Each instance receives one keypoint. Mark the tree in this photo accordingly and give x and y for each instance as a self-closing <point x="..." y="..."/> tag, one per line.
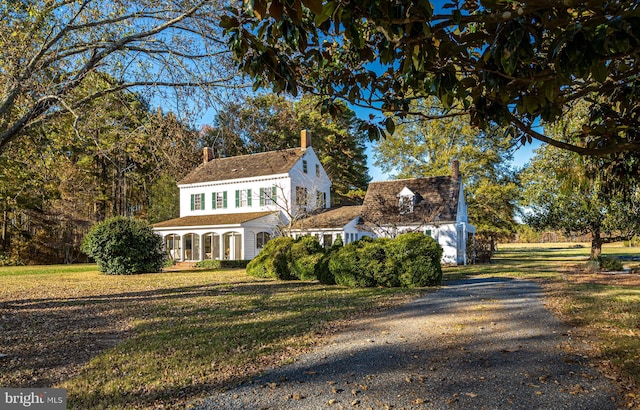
<point x="59" y="180"/>
<point x="426" y="148"/>
<point x="505" y="63"/>
<point x="51" y="50"/>
<point x="270" y="122"/>
<point x="565" y="191"/>
<point x="124" y="246"/>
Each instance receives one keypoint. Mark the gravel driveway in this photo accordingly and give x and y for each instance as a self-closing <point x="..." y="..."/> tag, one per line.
<point x="473" y="344"/>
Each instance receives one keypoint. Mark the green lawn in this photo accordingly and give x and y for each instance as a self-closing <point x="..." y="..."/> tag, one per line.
<point x="166" y="339"/>
<point x="160" y="339"/>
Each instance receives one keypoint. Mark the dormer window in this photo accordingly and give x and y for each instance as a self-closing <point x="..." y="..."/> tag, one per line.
<point x="406" y="202"/>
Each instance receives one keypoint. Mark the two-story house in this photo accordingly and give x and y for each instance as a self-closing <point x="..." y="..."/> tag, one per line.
<point x="230" y="207"/>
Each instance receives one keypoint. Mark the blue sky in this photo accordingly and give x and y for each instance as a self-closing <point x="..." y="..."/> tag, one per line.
<point x="521" y="156"/>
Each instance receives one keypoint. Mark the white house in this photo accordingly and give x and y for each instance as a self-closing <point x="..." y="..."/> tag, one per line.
<point x="230" y="207"/>
<point x="435" y="206"/>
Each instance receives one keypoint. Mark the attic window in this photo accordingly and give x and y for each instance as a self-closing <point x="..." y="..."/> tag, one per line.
<point x="406" y="202"/>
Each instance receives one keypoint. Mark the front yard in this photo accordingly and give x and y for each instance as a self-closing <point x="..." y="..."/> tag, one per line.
<point x="160" y="339"/>
<point x="170" y="338"/>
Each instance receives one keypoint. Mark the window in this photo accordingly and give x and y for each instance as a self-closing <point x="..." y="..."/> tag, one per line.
<point x="304" y="166"/>
<point x="406" y="204"/>
<point x="261" y="239"/>
<point x="268" y="196"/>
<point x="301" y="196"/>
<point x="427" y="232"/>
<point x="317" y="170"/>
<point x="321" y="199"/>
<point x="197" y="202"/>
<point x="243" y="198"/>
<point x="327" y="240"/>
<point x="219" y="200"/>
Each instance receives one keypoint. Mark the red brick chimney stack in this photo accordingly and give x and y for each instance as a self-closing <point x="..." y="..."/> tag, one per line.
<point x="455" y="169"/>
<point x="208" y="154"/>
<point x="305" y="139"/>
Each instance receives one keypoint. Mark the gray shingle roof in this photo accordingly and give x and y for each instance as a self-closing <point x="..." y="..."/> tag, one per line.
<point x="332" y="218"/>
<point x="245" y="166"/>
<point x="436" y="198"/>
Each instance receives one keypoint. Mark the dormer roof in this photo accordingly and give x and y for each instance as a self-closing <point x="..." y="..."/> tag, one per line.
<point x="245" y="166"/>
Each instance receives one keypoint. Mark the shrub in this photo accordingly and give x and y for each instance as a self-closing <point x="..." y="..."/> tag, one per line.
<point x="343" y="266"/>
<point x="417" y="257"/>
<point x="306" y="252"/>
<point x="222" y="264"/>
<point x="273" y="260"/>
<point x="124" y="246"/>
<point x="410" y="260"/>
<point x="610" y="264"/>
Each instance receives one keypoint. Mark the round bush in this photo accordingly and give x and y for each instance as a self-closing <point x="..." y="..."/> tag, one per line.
<point x="124" y="246"/>
<point x="273" y="260"/>
<point x="417" y="258"/>
<point x="610" y="264"/>
<point x="344" y="266"/>
<point x="306" y="252"/>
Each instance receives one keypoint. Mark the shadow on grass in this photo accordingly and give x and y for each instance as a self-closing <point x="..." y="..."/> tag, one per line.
<point x="141" y="348"/>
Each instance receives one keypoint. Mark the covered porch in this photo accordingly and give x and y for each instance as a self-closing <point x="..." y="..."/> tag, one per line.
<point x="194" y="239"/>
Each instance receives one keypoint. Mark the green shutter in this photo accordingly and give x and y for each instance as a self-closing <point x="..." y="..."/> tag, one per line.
<point x="214" y="203"/>
<point x="274" y="194"/>
<point x="202" y="201"/>
<point x="237" y="198"/>
<point x="193" y="202"/>
<point x="261" y="196"/>
<point x="248" y="197"/>
<point x="224" y="199"/>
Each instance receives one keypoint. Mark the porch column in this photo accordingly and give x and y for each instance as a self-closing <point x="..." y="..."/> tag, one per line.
<point x="221" y="246"/>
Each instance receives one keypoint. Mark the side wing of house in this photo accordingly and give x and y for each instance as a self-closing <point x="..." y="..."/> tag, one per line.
<point x="344" y="223"/>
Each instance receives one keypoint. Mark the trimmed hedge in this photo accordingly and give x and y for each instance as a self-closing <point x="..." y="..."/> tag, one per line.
<point x="124" y="246"/>
<point x="410" y="260"/>
<point x="273" y="260"/>
<point x="222" y="264"/>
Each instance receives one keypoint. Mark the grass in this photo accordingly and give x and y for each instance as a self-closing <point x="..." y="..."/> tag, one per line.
<point x="167" y="339"/>
<point x="160" y="339"/>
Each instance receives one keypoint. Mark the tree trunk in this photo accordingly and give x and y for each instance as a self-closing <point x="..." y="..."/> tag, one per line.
<point x="596" y="245"/>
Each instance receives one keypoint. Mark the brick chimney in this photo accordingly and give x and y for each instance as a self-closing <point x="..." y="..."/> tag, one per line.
<point x="455" y="169"/>
<point x="305" y="139"/>
<point x="207" y="154"/>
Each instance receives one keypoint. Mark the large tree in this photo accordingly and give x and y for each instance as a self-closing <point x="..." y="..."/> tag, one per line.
<point x="424" y="148"/>
<point x="271" y="122"/>
<point x="510" y="63"/>
<point x="52" y="49"/>
<point x="579" y="195"/>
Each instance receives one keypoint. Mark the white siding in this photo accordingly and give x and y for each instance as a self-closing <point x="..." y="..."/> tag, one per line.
<point x="281" y="182"/>
<point x="314" y="183"/>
